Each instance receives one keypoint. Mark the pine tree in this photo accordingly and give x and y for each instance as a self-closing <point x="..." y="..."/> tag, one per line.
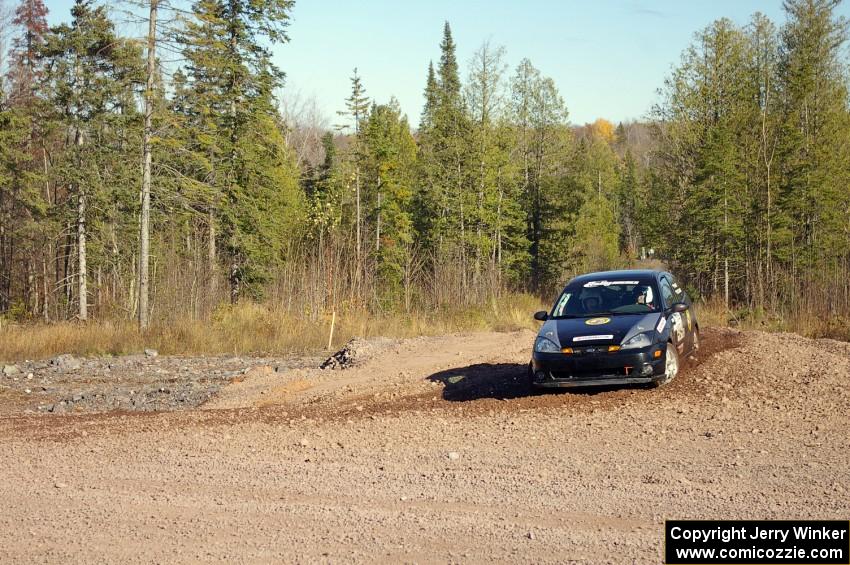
<point x="232" y="79"/>
<point x="596" y="245"/>
<point x="487" y="157"/>
<point x="814" y="147"/>
<point x="147" y="138"/>
<point x="23" y="233"/>
<point x="431" y="93"/>
<point x="762" y="125"/>
<point x="630" y="193"/>
<point x="89" y="76"/>
<point x="426" y="197"/>
<point x="357" y="106"/>
<point x="25" y="67"/>
<point x="707" y="108"/>
<point x="390" y="154"/>
<point x="21" y="206"/>
<point x="444" y="198"/>
<point x="539" y="116"/>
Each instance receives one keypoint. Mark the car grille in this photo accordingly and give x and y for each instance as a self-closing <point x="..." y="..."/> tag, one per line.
<point x="590" y="350"/>
<point x="595" y="374"/>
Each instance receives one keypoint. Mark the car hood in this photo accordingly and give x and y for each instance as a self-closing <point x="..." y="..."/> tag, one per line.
<point x="602" y="329"/>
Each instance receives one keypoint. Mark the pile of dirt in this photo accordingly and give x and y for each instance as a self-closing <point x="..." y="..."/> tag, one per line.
<point x="356" y="352"/>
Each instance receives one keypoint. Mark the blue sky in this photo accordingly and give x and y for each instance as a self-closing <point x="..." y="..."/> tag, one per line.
<point x="607" y="57"/>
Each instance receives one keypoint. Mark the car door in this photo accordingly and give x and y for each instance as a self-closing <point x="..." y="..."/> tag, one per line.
<point x="677" y="321"/>
<point x="688" y="317"/>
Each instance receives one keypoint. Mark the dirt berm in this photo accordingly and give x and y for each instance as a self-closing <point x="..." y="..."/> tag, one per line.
<point x="428" y="450"/>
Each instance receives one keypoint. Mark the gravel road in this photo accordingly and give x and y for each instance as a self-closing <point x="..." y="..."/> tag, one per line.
<point x="428" y="450"/>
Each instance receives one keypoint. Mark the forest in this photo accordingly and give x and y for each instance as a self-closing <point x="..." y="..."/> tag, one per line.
<point x="157" y="179"/>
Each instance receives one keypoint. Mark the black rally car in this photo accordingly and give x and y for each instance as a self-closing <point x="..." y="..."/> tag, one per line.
<point x="615" y="328"/>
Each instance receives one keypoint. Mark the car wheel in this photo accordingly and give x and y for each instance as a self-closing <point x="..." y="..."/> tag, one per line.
<point x="695" y="347"/>
<point x="671" y="365"/>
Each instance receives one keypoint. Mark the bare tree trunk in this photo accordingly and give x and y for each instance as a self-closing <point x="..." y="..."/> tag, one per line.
<point x="235" y="267"/>
<point x="725" y="248"/>
<point x="81" y="252"/>
<point x="144" y="228"/>
<point x="45" y="305"/>
<point x="32" y="291"/>
<point x="462" y="249"/>
<point x="63" y="260"/>
<point x="499" y="233"/>
<point x="357" y="191"/>
<point x="47" y="249"/>
<point x="769" y="227"/>
<point x="211" y="259"/>
<point x="99" y="300"/>
<point x="378" y="222"/>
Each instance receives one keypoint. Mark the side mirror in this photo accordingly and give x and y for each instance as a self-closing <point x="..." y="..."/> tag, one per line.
<point x="541" y="316"/>
<point x="679" y="307"/>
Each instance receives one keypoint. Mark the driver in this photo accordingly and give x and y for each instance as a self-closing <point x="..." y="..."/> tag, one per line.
<point x="643" y="295"/>
<point x="591" y="300"/>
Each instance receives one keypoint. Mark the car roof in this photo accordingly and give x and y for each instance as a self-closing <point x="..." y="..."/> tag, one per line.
<point x="640" y="274"/>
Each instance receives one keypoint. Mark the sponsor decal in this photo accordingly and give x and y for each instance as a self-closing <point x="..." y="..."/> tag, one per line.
<point x="597" y="321"/>
<point x="677" y="326"/>
<point x="593" y="284"/>
<point x="592" y="337"/>
<point x="661" y="323"/>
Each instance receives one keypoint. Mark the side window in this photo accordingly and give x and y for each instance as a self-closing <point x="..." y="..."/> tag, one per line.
<point x="667" y="293"/>
<point x="679" y="292"/>
<point x="560" y="306"/>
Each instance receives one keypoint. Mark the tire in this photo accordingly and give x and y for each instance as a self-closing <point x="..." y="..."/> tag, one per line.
<point x="671" y="365"/>
<point x="695" y="344"/>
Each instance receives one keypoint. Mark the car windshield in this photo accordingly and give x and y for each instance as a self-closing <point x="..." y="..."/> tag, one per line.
<point x="603" y="297"/>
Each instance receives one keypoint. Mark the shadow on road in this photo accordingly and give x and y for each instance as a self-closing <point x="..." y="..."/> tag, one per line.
<point x="503" y="381"/>
<point x="484" y="380"/>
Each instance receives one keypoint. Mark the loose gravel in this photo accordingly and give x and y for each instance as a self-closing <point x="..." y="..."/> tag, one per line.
<point x="432" y="450"/>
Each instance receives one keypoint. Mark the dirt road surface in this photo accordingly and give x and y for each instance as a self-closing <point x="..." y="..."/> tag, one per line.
<point x="432" y="450"/>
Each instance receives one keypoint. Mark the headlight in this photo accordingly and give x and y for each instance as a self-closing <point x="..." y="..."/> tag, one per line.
<point x="543" y="345"/>
<point x="637" y="342"/>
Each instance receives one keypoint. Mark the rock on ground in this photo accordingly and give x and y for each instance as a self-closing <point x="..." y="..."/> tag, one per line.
<point x="356" y="351"/>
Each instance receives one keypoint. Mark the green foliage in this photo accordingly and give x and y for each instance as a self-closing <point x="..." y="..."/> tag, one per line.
<point x="539" y="116"/>
<point x="742" y="189"/>
<point x="596" y="245"/>
<point x="231" y="80"/>
<point x="265" y="205"/>
<point x="389" y="155"/>
<point x="753" y="130"/>
<point x="814" y="148"/>
<point x="444" y="153"/>
<point x="89" y="83"/>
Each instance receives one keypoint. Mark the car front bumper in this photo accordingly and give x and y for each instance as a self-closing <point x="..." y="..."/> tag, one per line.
<point x="558" y="370"/>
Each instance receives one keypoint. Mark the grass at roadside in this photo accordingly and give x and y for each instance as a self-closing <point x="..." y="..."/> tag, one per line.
<point x="809" y="324"/>
<point x="262" y="329"/>
<point x="258" y="329"/>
